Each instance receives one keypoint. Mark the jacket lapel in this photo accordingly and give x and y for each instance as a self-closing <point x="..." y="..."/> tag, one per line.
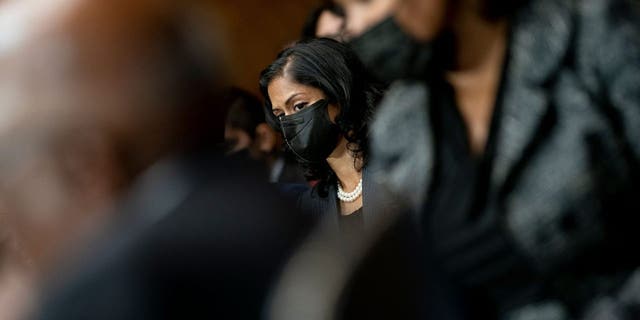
<point x="332" y="208"/>
<point x="521" y="117"/>
<point x="539" y="43"/>
<point x="402" y="156"/>
<point x="369" y="197"/>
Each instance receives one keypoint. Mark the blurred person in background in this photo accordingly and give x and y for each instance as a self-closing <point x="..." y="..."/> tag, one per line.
<point x="243" y="117"/>
<point x="248" y="136"/>
<point x="514" y="132"/>
<point x="326" y="21"/>
<point x="321" y="98"/>
<point x="110" y="182"/>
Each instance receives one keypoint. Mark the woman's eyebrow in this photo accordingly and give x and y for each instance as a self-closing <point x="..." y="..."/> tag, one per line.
<point x="291" y="98"/>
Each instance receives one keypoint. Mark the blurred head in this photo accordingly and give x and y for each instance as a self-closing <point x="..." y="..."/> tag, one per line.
<point x="362" y="15"/>
<point x="326" y="21"/>
<point x="97" y="94"/>
<point x="244" y="114"/>
<point x="399" y="38"/>
<point x="422" y="19"/>
<point x="320" y="82"/>
<point x="246" y="127"/>
<point x="330" y="25"/>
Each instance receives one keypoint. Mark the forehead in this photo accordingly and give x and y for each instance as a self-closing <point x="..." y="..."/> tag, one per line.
<point x="283" y="87"/>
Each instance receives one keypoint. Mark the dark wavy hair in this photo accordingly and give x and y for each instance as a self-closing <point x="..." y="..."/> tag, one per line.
<point x="335" y="69"/>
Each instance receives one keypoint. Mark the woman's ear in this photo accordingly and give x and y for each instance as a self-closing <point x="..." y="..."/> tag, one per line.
<point x="334" y="112"/>
<point x="266" y="138"/>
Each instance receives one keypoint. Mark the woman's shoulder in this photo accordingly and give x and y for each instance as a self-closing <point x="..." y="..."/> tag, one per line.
<point x="316" y="201"/>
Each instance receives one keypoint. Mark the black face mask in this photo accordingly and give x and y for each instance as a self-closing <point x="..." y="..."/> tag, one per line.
<point x="391" y="54"/>
<point x="310" y="134"/>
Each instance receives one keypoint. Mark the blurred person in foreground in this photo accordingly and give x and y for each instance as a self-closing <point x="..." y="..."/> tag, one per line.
<point x="514" y="131"/>
<point x="249" y="137"/>
<point x="325" y="21"/>
<point x="109" y="181"/>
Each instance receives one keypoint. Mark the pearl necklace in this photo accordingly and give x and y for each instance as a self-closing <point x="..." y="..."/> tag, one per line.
<point x="350" y="196"/>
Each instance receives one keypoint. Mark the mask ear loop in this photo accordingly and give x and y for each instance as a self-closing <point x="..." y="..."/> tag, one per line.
<point x="294" y="151"/>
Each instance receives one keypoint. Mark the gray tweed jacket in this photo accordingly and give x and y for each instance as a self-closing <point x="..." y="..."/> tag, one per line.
<point x="568" y="143"/>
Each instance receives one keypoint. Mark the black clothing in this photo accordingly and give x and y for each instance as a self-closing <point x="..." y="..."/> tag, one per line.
<point x="460" y="183"/>
<point x="374" y="201"/>
<point x="391" y="278"/>
<point x="289" y="170"/>
<point x="353" y="222"/>
<point x="285" y="169"/>
<point x="201" y="238"/>
<point x="563" y="177"/>
<point x="312" y="203"/>
<point x="465" y="237"/>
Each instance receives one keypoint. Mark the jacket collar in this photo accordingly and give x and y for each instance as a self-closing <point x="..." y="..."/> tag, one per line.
<point x="539" y="43"/>
<point x="372" y="200"/>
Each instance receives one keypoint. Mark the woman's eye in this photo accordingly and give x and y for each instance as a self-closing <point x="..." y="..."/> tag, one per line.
<point x="299" y="106"/>
<point x="277" y="113"/>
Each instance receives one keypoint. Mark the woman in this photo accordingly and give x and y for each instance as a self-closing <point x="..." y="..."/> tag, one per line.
<point x="319" y="95"/>
<point x="525" y="157"/>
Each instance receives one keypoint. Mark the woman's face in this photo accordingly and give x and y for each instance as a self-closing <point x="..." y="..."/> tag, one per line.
<point x="313" y="136"/>
<point x="288" y="97"/>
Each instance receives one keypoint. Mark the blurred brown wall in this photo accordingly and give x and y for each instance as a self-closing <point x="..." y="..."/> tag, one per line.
<point x="257" y="30"/>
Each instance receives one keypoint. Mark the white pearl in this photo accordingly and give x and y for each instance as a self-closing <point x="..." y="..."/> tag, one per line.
<point x="349" y="196"/>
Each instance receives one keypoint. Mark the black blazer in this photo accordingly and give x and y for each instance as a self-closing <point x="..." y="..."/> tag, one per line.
<point x="375" y="201"/>
<point x="394" y="260"/>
